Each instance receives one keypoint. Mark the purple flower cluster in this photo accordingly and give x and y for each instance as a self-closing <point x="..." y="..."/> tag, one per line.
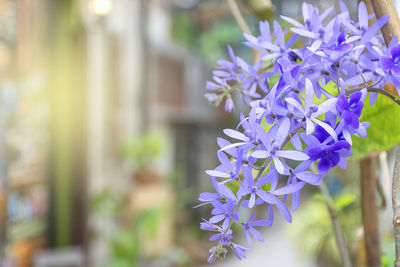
<point x="314" y="107"/>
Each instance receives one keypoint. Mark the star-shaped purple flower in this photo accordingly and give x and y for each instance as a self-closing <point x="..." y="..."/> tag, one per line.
<point x="249" y="229"/>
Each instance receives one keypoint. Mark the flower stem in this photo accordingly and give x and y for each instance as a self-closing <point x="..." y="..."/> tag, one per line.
<point x="376" y="90"/>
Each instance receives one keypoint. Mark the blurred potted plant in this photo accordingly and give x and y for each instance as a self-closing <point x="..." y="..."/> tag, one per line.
<point x="131" y="243"/>
<point x="142" y="153"/>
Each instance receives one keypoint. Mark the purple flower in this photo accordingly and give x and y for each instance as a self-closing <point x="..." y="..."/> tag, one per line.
<point x="391" y="65"/>
<point x="227" y="169"/>
<point x="351" y="109"/>
<point x="312" y="27"/>
<point x="311" y="112"/>
<point x="273" y="49"/>
<point x="272" y="177"/>
<point x="207" y="226"/>
<point x="336" y="50"/>
<point x="227" y="70"/>
<point x="248" y="228"/>
<point x="223" y="212"/>
<point x="223" y="193"/>
<point x="249" y="138"/>
<point x="254" y="189"/>
<point x="239" y="251"/>
<point x="273" y="149"/>
<point x="256" y="79"/>
<point x="301" y="173"/>
<point x="223" y="238"/>
<point x="229" y="106"/>
<point x="329" y="155"/>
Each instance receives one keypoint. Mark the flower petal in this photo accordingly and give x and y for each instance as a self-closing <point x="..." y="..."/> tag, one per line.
<point x="278" y="165"/>
<point x="289" y="189"/>
<point x="284" y="211"/>
<point x="386" y="63"/>
<point x="267" y="197"/>
<point x="309" y="177"/>
<point x="283" y="131"/>
<point x="292" y="21"/>
<point x="304" y="33"/>
<point x="256" y="234"/>
<point x="327" y="128"/>
<point x="235" y="134"/>
<point x="292" y="154"/>
<point x="260" y="154"/>
<point x="218" y="173"/>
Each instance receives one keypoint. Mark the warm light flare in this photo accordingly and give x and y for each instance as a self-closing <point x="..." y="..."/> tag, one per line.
<point x="100" y="7"/>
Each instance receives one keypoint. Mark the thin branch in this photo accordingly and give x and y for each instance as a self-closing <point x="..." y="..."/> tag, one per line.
<point x="382" y="195"/>
<point x="339" y="237"/>
<point x="385" y="174"/>
<point x="396" y="205"/>
<point x="344" y="254"/>
<point x="376" y="90"/>
<point x="238" y="16"/>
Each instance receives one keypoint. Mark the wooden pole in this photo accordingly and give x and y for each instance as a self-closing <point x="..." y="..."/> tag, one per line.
<point x="387" y="7"/>
<point x="369" y="210"/>
<point x="391" y="29"/>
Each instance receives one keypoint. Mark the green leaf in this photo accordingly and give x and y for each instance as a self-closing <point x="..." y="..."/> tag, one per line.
<point x="344" y="201"/>
<point x="233" y="186"/>
<point x="384" y="131"/>
<point x="266" y="187"/>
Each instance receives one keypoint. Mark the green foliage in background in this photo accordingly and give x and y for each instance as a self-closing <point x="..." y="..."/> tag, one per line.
<point x="313" y="225"/>
<point x="126" y="243"/>
<point x="384" y="131"/>
<point x="210" y="42"/>
<point x="388" y="251"/>
<point x="142" y="152"/>
<point x="106" y="203"/>
<point x="183" y="29"/>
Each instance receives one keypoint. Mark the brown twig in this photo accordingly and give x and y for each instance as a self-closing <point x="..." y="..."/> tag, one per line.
<point x="396" y="205"/>
<point x="376" y="90"/>
<point x="382" y="195"/>
<point x="238" y="16"/>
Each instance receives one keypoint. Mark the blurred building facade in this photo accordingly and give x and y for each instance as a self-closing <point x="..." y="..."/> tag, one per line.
<point x="77" y="78"/>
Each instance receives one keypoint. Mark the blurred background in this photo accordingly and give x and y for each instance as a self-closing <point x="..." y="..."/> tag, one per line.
<point x="105" y="136"/>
